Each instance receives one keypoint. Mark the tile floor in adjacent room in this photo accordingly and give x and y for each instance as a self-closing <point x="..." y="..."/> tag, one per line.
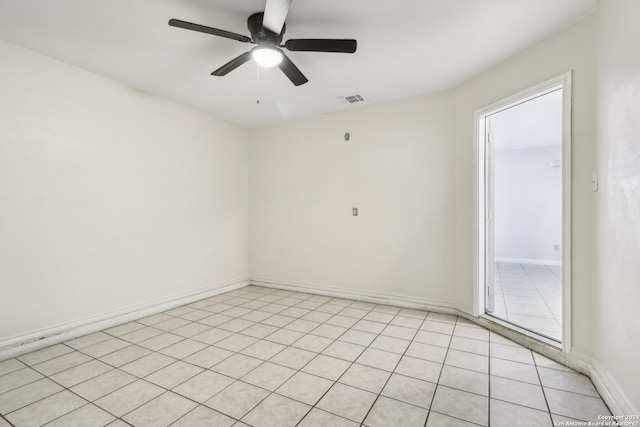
<point x="530" y="296"/>
<point x="265" y="357"/>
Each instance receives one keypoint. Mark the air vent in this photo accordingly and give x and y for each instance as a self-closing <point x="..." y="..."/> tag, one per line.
<point x="352" y="99"/>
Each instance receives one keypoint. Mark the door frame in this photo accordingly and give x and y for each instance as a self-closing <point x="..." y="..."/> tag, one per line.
<point x="564" y="81"/>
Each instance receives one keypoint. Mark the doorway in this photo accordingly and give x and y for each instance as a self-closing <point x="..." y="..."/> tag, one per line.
<point x="523" y="174"/>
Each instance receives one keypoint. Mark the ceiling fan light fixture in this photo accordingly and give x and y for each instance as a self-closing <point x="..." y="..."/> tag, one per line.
<point x="266" y="57"/>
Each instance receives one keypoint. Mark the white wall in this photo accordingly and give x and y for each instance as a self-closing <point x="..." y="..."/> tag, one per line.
<point x="617" y="286"/>
<point x="528" y="204"/>
<point x="109" y="197"/>
<point x="397" y="168"/>
<point x="535" y="123"/>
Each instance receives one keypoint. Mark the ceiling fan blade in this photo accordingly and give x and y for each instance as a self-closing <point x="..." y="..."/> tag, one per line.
<point x="291" y="71"/>
<point x="209" y="30"/>
<point x="232" y="65"/>
<point x="275" y="13"/>
<point x="322" y="45"/>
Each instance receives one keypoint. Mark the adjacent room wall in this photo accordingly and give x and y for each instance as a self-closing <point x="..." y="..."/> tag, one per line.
<point x="109" y="198"/>
<point x="528" y="205"/>
<point x="397" y="168"/>
<point x="617" y="286"/>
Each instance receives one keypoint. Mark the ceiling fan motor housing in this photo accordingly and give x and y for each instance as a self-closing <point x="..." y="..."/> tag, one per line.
<point x="268" y="51"/>
<point x="261" y="35"/>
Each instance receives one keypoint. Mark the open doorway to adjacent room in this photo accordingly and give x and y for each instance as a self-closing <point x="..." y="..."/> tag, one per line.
<point x="523" y="149"/>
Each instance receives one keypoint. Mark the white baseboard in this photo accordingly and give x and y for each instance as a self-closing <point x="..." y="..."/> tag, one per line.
<point x="587" y="364"/>
<point x="529" y="261"/>
<point x="609" y="389"/>
<point x="372" y="297"/>
<point x="36" y="340"/>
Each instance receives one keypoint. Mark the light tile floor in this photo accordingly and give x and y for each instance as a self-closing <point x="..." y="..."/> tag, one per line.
<point x="530" y="296"/>
<point x="266" y="357"/>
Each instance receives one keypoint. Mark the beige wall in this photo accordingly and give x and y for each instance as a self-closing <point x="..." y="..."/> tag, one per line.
<point x="397" y="169"/>
<point x="616" y="294"/>
<point x="109" y="198"/>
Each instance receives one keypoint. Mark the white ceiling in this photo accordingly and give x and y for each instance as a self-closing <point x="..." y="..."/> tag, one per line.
<point x="532" y="124"/>
<point x="404" y="48"/>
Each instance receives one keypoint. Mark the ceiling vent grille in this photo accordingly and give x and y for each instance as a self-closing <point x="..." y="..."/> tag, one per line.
<point x="352" y="99"/>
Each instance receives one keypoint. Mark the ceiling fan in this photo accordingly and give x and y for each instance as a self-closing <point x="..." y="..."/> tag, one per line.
<point x="266" y="31"/>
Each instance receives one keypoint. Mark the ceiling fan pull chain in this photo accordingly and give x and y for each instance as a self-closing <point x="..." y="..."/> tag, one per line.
<point x="258" y="86"/>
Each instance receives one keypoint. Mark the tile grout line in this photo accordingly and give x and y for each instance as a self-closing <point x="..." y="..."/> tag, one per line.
<point x="356" y="387"/>
<point x="504" y="301"/>
<point x="489" y="383"/>
<point x="397" y="363"/>
<point x="542" y="296"/>
<point x="198" y="404"/>
<point x="544" y="394"/>
<point x="309" y="333"/>
<point x="113" y="391"/>
<point x="132" y="344"/>
<point x="543" y="387"/>
<point x="352" y="362"/>
<point x="235" y="380"/>
<point x="143" y="378"/>
<point x="368" y="346"/>
<point x="290" y="346"/>
<point x="362" y="318"/>
<point x="2" y="417"/>
<point x="347" y="329"/>
<point x="336" y="381"/>
<point x="435" y="390"/>
<point x="270" y="392"/>
<point x="90" y="402"/>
